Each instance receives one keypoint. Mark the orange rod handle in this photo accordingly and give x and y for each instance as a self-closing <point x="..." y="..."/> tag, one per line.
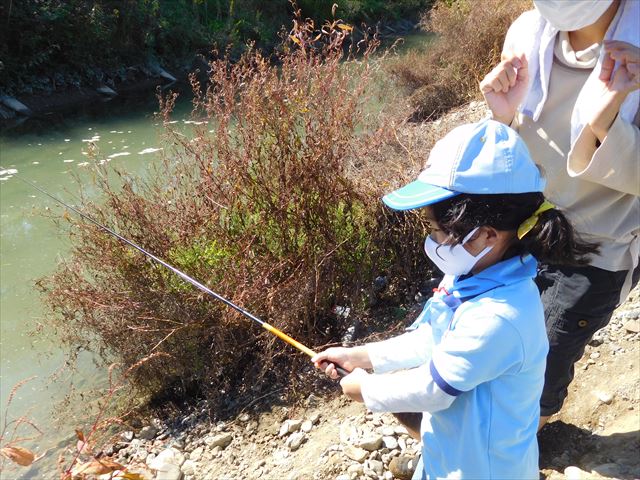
<point x="288" y="339"/>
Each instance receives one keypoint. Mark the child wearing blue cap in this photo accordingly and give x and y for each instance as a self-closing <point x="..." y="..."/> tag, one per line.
<point x="474" y="360"/>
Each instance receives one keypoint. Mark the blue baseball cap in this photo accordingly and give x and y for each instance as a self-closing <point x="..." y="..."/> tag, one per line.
<point x="486" y="157"/>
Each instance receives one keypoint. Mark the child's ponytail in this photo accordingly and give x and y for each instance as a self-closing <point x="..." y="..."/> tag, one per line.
<point x="553" y="240"/>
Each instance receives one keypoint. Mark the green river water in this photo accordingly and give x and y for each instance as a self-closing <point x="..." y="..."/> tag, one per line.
<point x="49" y="153"/>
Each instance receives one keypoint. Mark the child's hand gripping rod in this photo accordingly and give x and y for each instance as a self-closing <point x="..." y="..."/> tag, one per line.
<point x="187" y="278"/>
<point x="341" y="371"/>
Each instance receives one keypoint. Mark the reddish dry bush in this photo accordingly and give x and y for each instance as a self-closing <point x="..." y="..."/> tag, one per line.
<point x="269" y="202"/>
<point x="468" y="41"/>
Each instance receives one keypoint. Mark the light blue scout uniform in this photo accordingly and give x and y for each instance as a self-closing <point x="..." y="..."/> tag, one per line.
<point x="475" y="361"/>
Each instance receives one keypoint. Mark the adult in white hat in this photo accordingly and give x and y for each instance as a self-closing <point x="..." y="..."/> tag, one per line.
<point x="568" y="83"/>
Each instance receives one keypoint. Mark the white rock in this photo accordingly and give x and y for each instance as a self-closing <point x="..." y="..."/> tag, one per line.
<point x="594" y="355"/>
<point x="223" y="440"/>
<point x="388" y="431"/>
<point x="314" y="418"/>
<point x="306" y="426"/>
<point x="294" y="441"/>
<point x="169" y="471"/>
<point x="402" y="444"/>
<point x="368" y="473"/>
<point x="343" y="476"/>
<point x="376" y="466"/>
<point x="348" y="433"/>
<point x="355" y="453"/>
<point x="574" y="473"/>
<point x="604" y="397"/>
<point x="387" y="475"/>
<point x="167" y="456"/>
<point x="400" y="430"/>
<point x="189" y="467"/>
<point x="251" y="427"/>
<point x="356" y="469"/>
<point x="244" y="417"/>
<point x="390" y="442"/>
<point x="196" y="454"/>
<point x="632" y="326"/>
<point x="371" y="443"/>
<point x="289" y="426"/>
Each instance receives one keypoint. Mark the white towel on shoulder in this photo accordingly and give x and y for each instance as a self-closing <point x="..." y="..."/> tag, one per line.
<point x="532" y="35"/>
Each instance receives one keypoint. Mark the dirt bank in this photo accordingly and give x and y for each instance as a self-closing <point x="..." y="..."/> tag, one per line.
<point x="329" y="437"/>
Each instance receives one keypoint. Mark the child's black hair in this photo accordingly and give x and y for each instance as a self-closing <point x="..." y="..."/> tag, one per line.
<point x="552" y="240"/>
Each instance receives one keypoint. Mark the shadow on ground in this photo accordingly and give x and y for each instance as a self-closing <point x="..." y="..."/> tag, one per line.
<point x="562" y="444"/>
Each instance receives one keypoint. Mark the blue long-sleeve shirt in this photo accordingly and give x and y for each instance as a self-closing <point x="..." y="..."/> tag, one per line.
<point x="475" y="366"/>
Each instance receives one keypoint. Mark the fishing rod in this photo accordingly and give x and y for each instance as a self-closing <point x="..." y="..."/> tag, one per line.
<point x="185" y="277"/>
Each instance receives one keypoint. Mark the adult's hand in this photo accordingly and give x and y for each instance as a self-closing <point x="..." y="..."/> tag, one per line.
<point x="505" y="87"/>
<point x="347" y="358"/>
<point x="627" y="77"/>
<point x="615" y="85"/>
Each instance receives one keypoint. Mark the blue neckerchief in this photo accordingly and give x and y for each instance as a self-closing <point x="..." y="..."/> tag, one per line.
<point x="453" y="291"/>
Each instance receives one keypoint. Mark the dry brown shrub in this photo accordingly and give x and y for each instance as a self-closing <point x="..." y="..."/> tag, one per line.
<point x="270" y="202"/>
<point x="468" y="40"/>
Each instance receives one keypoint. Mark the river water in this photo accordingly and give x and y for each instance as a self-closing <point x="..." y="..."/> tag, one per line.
<point x="48" y="152"/>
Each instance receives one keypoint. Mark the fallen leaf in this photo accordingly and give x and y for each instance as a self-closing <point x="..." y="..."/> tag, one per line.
<point x="96" y="467"/>
<point x="295" y="39"/>
<point x="344" y="26"/>
<point x="18" y="455"/>
<point x="129" y="476"/>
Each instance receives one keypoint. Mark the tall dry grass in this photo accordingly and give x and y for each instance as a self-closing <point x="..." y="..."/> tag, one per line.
<point x="468" y="40"/>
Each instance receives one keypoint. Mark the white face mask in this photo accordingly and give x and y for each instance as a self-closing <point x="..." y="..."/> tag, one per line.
<point x="571" y="15"/>
<point x="453" y="260"/>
